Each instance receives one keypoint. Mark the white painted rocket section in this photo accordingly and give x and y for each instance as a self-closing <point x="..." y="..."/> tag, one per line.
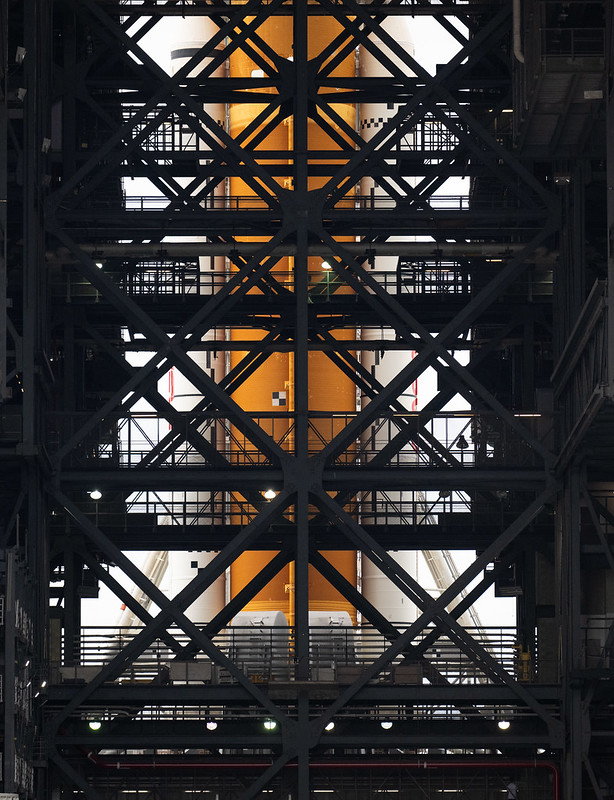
<point x="186" y="37"/>
<point x="153" y="568"/>
<point x="174" y="570"/>
<point x="384" y="366"/>
<point x="404" y="507"/>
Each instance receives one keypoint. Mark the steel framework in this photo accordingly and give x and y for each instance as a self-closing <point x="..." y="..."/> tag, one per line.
<point x="501" y="291"/>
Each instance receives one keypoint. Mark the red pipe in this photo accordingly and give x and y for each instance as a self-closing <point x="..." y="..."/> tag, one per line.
<point x="362" y="764"/>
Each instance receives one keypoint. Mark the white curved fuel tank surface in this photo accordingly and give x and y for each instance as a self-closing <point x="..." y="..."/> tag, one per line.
<point x="182" y="568"/>
<point x="383" y="594"/>
<point x="332" y="638"/>
<point x="260" y="644"/>
<point x="260" y="619"/>
<point x="374" y="114"/>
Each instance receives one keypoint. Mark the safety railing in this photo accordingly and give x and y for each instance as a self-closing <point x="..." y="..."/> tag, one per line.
<point x="573" y="42"/>
<point x="372" y="202"/>
<point x="434" y="202"/>
<point x="266" y="654"/>
<point x="210" y="202"/>
<point x="460" y="439"/>
<point x="581" y="376"/>
<point x="166" y="279"/>
<point x="598" y="642"/>
<point x="381" y="507"/>
<point x="174" y="135"/>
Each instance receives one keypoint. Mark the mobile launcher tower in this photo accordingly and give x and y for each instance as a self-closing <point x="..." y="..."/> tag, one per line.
<point x="258" y="248"/>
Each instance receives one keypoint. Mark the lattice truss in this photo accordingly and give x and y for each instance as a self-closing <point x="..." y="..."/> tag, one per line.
<point x="230" y="234"/>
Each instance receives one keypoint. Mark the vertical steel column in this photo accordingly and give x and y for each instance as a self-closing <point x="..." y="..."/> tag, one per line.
<point x="71" y="622"/>
<point x="301" y="377"/>
<point x="10" y="736"/>
<point x="33" y="250"/>
<point x="609" y="50"/>
<point x="4" y="90"/>
<point x="301" y="385"/>
<point x="31" y="589"/>
<point x="571" y="651"/>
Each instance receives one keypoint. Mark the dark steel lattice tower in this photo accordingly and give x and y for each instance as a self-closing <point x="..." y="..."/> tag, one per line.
<point x="501" y="292"/>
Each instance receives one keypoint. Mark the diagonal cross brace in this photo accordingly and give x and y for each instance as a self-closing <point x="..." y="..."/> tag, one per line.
<point x="170" y="348"/>
<point x="172" y="609"/>
<point x="436" y="609"/>
<point x="435" y="345"/>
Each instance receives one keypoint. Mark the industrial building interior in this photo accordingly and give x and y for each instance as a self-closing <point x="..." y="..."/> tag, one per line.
<point x="306" y="383"/>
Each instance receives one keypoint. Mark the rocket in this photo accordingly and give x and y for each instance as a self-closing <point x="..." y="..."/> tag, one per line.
<point x="267" y="394"/>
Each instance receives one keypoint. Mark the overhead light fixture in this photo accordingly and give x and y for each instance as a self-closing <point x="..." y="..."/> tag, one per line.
<point x="94" y="724"/>
<point x="211" y="725"/>
<point x="269" y="494"/>
<point x="503" y="724"/>
<point x="95" y="494"/>
<point x="326" y="265"/>
<point x="270" y="724"/>
<point x="99" y="264"/>
<point x="329" y="726"/>
<point x="386" y="724"/>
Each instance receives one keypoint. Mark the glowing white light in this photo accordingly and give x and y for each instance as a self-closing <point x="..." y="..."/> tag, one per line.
<point x="95" y="494"/>
<point x="270" y="724"/>
<point x="326" y="265"/>
<point x="503" y="724"/>
<point x="211" y="725"/>
<point x="95" y="724"/>
<point x="329" y="726"/>
<point x="386" y="724"/>
<point x="269" y="494"/>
